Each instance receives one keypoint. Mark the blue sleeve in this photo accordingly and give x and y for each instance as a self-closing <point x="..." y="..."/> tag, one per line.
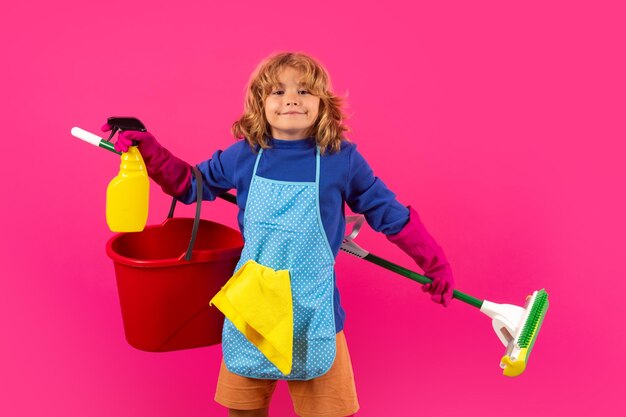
<point x="218" y="174"/>
<point x="368" y="195"/>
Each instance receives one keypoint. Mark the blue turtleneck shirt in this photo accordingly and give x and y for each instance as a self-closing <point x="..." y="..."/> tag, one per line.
<point x="345" y="177"/>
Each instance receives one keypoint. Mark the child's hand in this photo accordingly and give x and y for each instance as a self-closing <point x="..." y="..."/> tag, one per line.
<point x="170" y="172"/>
<point x="419" y="245"/>
<point x="442" y="287"/>
<point x="125" y="138"/>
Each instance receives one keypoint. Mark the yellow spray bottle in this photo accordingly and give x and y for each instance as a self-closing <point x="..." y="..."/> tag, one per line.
<point x="128" y="194"/>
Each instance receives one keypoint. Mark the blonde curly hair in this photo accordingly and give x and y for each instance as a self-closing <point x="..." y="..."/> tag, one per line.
<point x="253" y="126"/>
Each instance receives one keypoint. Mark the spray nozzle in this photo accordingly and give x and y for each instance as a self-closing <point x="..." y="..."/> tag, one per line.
<point x="124" y="123"/>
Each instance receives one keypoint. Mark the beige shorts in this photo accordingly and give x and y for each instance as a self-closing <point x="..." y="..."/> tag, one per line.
<point x="330" y="395"/>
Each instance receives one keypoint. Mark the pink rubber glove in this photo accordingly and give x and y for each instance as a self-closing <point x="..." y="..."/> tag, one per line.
<point x="171" y="173"/>
<point x="419" y="245"/>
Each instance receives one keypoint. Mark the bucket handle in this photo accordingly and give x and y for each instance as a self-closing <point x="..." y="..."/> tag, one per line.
<point x="196" y="220"/>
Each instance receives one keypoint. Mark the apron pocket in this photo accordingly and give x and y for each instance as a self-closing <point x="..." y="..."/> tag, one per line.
<point x="258" y="301"/>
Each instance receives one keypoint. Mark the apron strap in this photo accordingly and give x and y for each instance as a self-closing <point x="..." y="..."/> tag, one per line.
<point x="256" y="163"/>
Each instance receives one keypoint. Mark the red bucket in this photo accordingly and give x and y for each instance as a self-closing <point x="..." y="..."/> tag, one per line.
<point x="165" y="280"/>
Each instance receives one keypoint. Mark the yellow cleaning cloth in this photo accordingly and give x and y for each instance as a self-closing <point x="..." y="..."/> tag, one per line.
<point x="257" y="299"/>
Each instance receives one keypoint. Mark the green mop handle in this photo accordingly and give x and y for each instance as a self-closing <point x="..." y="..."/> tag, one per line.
<point x="473" y="301"/>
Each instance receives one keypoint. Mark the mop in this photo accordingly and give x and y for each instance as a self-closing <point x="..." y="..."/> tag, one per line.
<point x="516" y="327"/>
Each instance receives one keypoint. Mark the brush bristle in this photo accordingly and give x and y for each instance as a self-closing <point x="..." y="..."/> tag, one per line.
<point x="535" y="318"/>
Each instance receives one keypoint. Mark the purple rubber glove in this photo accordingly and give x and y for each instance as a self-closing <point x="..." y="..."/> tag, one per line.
<point x="419" y="245"/>
<point x="171" y="173"/>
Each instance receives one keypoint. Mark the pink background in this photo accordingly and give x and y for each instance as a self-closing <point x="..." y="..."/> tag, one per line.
<point x="502" y="123"/>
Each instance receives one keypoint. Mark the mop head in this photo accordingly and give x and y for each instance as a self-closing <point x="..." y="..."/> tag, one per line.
<point x="517" y="328"/>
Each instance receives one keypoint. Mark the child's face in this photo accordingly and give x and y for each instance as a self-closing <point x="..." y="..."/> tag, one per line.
<point x="290" y="109"/>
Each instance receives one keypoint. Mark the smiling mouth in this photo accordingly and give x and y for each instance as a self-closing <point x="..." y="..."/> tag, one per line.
<point x="291" y="112"/>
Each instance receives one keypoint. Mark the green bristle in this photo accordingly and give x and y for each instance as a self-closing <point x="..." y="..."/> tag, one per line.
<point x="535" y="318"/>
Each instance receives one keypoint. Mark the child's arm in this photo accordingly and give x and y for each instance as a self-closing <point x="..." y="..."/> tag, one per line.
<point x="217" y="173"/>
<point x="368" y="195"/>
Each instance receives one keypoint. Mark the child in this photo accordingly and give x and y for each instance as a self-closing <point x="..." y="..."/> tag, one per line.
<point x="293" y="174"/>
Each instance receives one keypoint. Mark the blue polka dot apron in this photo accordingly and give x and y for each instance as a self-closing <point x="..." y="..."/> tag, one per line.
<point x="283" y="230"/>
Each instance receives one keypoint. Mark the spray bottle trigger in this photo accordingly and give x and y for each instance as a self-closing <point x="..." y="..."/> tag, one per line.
<point x="114" y="130"/>
<point x="125" y="123"/>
